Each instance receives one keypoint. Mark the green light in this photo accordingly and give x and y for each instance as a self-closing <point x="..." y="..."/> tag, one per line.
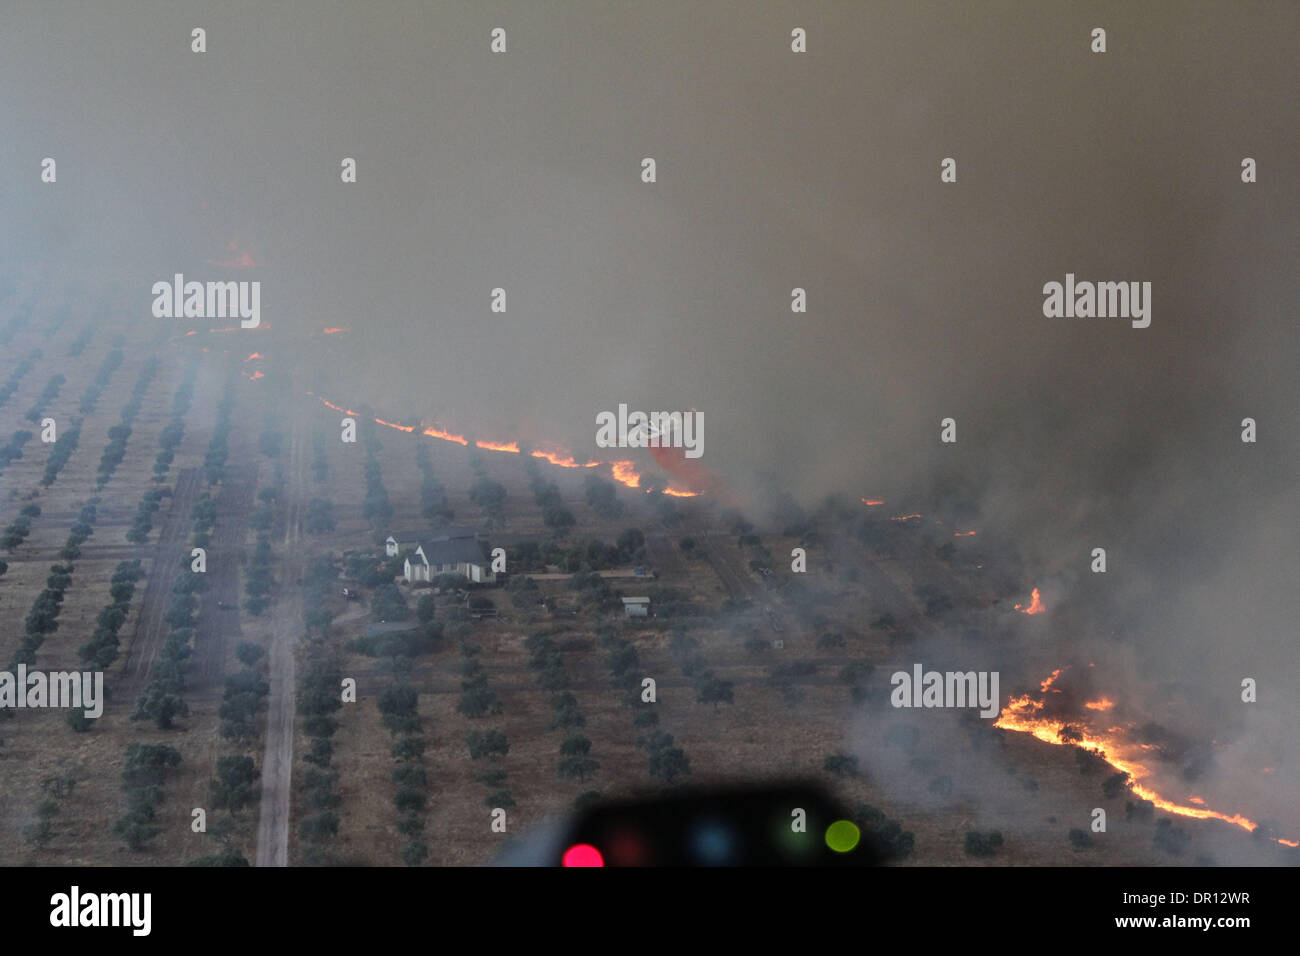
<point x="842" y="836"/>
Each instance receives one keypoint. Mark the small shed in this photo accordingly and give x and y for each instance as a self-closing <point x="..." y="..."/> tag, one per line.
<point x="636" y="606"/>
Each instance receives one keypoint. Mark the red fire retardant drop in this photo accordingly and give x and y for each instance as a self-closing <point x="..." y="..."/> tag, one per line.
<point x="583" y="854"/>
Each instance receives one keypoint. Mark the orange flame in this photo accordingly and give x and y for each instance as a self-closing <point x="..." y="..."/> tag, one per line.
<point x="624" y="472"/>
<point x="255" y="355"/>
<point x="334" y="331"/>
<point x="445" y="436"/>
<point x="337" y="408"/>
<point x="1024" y="715"/>
<point x="1104" y="704"/>
<point x="256" y="375"/>
<point x="1035" y="605"/>
<point x="872" y="502"/>
<point x="904" y="517"/>
<point x="963" y="534"/>
<point x="564" y="462"/>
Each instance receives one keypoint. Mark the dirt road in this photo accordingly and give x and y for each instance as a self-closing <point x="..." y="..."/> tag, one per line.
<point x="277" y="761"/>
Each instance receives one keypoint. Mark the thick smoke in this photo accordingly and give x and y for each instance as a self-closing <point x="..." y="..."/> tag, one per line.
<point x="775" y="171"/>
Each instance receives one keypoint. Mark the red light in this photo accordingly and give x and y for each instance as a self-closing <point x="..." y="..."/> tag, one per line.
<point x="583" y="854"/>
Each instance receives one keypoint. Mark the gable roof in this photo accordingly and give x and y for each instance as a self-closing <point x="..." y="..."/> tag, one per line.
<point x="453" y="551"/>
<point x="450" y="534"/>
<point x="436" y="534"/>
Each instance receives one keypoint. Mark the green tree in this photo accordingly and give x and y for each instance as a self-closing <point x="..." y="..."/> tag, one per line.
<point x="575" y="745"/>
<point x="233" y="787"/>
<point x="710" y="689"/>
<point x="487" y="743"/>
<point x="414" y="852"/>
<point x="669" y="764"/>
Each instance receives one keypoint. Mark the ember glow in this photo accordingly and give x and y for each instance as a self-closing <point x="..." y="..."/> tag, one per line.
<point x="333" y="331"/>
<point x="1035" y="605"/>
<point x="1113" y="744"/>
<point x="240" y="258"/>
<point x="963" y="534"/>
<point x="872" y="502"/>
<point x="904" y="517"/>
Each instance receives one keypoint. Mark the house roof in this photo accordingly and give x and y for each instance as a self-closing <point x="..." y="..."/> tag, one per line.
<point x="435" y="534"/>
<point x="445" y="534"/>
<point x="453" y="551"/>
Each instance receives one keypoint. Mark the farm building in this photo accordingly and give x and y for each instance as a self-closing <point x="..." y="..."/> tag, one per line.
<point x="636" y="606"/>
<point x="447" y="554"/>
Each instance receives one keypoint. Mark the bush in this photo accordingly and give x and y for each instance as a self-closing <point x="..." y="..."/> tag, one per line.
<point x="414" y="853"/>
<point x="479" y="702"/>
<point x="408" y="748"/>
<point x="409" y="774"/>
<point x="489" y="743"/>
<point x="409" y="799"/>
<point x="983" y="844"/>
<point x="319" y="826"/>
<point x="890" y="840"/>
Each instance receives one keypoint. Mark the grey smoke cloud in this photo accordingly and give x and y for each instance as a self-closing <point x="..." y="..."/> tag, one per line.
<point x="819" y="171"/>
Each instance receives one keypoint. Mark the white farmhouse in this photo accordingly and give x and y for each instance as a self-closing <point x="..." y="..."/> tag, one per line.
<point x="454" y="552"/>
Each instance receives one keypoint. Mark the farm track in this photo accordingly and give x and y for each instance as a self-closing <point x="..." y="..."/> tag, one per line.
<point x="277" y="760"/>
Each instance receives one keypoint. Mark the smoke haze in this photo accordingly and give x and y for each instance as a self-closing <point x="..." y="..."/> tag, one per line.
<point x="775" y="171"/>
